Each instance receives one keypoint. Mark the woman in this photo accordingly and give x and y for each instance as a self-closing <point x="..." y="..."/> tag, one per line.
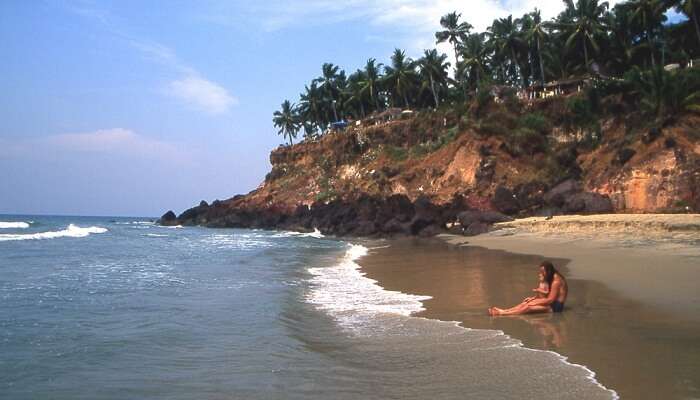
<point x="554" y="302"/>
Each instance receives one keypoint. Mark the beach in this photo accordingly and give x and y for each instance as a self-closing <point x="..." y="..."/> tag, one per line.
<point x="633" y="313"/>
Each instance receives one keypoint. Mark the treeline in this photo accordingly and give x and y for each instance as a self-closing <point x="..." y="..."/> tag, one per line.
<point x="588" y="37"/>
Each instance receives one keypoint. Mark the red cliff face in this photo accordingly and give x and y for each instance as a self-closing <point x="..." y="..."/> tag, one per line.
<point x="454" y="167"/>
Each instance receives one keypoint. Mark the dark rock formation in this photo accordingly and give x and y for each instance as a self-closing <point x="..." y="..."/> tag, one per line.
<point x="168" y="219"/>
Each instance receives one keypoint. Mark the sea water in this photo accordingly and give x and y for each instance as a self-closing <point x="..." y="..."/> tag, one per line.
<point x="114" y="308"/>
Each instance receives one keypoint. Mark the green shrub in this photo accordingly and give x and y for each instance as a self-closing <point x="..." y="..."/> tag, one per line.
<point x="534" y="121"/>
<point x="396" y="153"/>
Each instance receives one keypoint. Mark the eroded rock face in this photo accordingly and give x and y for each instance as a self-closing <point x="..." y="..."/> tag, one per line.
<point x="668" y="180"/>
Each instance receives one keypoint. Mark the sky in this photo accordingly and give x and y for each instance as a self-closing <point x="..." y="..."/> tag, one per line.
<point x="135" y="107"/>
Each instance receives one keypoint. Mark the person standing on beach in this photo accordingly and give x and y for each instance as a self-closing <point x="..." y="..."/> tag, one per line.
<point x="553" y="302"/>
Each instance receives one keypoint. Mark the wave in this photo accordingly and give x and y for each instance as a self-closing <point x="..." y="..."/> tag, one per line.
<point x="13" y="225"/>
<point x="359" y="304"/>
<point x="135" y="223"/>
<point x="348" y="295"/>
<point x="71" y="231"/>
<point x="315" y="234"/>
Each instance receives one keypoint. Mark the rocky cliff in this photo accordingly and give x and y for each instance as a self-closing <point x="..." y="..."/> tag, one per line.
<point x="449" y="171"/>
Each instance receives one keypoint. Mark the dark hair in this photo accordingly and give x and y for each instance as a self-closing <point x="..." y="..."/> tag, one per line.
<point x="549" y="271"/>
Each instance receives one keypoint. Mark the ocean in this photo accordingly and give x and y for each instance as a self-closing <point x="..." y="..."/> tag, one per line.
<point x="114" y="308"/>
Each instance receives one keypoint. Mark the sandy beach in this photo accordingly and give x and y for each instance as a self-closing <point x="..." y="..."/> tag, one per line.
<point x="633" y="314"/>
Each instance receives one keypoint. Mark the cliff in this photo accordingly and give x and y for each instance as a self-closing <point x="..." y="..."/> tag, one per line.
<point x="462" y="170"/>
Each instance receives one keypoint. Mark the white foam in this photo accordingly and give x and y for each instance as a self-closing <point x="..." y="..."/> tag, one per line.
<point x="351" y="298"/>
<point x="71" y="231"/>
<point x="315" y="234"/>
<point x="13" y="225"/>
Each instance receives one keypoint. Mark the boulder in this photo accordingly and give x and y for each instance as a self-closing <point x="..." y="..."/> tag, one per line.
<point x="168" y="219"/>
<point x="588" y="203"/>
<point x="504" y="200"/>
<point x="557" y="196"/>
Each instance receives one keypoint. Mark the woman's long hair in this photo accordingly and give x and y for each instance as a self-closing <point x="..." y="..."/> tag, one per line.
<point x="549" y="271"/>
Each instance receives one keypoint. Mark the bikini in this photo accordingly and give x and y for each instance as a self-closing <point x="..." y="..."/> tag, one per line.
<point x="557" y="306"/>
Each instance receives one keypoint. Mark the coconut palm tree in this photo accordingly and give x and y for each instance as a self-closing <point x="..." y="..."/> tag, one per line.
<point x="329" y="85"/>
<point x="433" y="70"/>
<point x="287" y="120"/>
<point x="354" y="95"/>
<point x="474" y="58"/>
<point x="371" y="82"/>
<point x="311" y="106"/>
<point x="536" y="35"/>
<point x="649" y="14"/>
<point x="691" y="9"/>
<point x="454" y="31"/>
<point x="505" y="40"/>
<point x="400" y="77"/>
<point x="583" y="24"/>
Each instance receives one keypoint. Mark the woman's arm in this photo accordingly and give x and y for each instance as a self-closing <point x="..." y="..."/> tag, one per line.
<point x="551" y="297"/>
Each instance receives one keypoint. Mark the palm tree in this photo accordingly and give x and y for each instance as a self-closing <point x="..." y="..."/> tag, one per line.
<point x="455" y="32"/>
<point x="287" y="120"/>
<point x="538" y="34"/>
<point x="329" y="85"/>
<point x="354" y="93"/>
<point x="401" y="75"/>
<point x="311" y="105"/>
<point x="585" y="25"/>
<point x="372" y="79"/>
<point x="650" y="15"/>
<point x="474" y="57"/>
<point x="691" y="9"/>
<point x="433" y="69"/>
<point x="507" y="43"/>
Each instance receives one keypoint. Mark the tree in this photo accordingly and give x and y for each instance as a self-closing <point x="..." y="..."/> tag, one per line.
<point x="287" y="120"/>
<point x="455" y="32"/>
<point x="372" y="79"/>
<point x="538" y="34"/>
<point x="691" y="8"/>
<point x="584" y="24"/>
<point x="433" y="70"/>
<point x="329" y="85"/>
<point x="354" y="93"/>
<point x="506" y="42"/>
<point x="401" y="75"/>
<point x="649" y="14"/>
<point x="311" y="106"/>
<point x="474" y="58"/>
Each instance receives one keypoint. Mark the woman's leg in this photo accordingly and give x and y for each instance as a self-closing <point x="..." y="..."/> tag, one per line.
<point x="520" y="309"/>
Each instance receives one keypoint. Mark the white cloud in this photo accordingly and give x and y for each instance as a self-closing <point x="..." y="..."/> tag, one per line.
<point x="414" y="22"/>
<point x="191" y="87"/>
<point x="202" y="94"/>
<point x="114" y="141"/>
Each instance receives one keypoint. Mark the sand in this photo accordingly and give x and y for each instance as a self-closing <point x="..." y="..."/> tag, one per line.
<point x="633" y="314"/>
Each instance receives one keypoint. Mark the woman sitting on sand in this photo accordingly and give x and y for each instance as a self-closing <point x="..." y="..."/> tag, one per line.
<point x="552" y="302"/>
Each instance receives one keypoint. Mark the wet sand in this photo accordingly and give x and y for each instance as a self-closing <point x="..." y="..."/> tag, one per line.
<point x="632" y="315"/>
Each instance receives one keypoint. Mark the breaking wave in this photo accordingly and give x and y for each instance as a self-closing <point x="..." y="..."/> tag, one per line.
<point x="71" y="231"/>
<point x="13" y="225"/>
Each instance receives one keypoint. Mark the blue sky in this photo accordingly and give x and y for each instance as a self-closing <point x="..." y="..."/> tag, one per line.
<point x="135" y="107"/>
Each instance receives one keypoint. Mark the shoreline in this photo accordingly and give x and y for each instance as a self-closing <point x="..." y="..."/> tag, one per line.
<point x="628" y="319"/>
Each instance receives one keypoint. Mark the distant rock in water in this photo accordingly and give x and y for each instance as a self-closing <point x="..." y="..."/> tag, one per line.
<point x="168" y="219"/>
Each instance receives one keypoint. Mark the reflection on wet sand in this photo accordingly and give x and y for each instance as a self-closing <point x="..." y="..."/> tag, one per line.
<point x="639" y="350"/>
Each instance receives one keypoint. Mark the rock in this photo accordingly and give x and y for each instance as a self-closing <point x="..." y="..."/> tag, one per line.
<point x="203" y="204"/>
<point x="168" y="219"/>
<point x="505" y="201"/>
<point x="476" y="228"/>
<point x="588" y="203"/>
<point x="557" y="196"/>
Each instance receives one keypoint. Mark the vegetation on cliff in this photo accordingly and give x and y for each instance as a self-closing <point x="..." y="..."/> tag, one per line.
<point x="587" y="39"/>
